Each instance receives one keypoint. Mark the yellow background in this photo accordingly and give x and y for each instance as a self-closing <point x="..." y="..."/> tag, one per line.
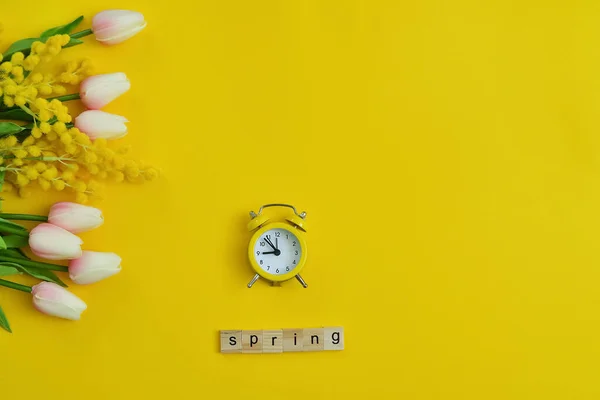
<point x="447" y="155"/>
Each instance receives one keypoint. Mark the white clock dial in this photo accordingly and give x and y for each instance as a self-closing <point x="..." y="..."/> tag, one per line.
<point x="277" y="251"/>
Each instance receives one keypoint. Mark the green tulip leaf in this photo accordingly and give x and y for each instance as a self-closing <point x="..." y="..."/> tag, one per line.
<point x="43" y="274"/>
<point x="23" y="45"/>
<point x="38" y="273"/>
<point x="9" y="128"/>
<point x="16" y="114"/>
<point x="13" y="241"/>
<point x="17" y="253"/>
<point x="6" y="228"/>
<point x="10" y="223"/>
<point x="2" y="173"/>
<point x="3" y="321"/>
<point x="73" y="42"/>
<point x="10" y="265"/>
<point x="6" y="270"/>
<point x="61" y="30"/>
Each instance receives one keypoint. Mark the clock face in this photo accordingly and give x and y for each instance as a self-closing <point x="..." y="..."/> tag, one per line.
<point x="277" y="251"/>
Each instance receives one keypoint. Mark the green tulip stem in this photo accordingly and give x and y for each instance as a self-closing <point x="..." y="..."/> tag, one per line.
<point x="14" y="231"/>
<point x="34" y="264"/>
<point x="24" y="217"/>
<point x="66" y="97"/>
<point x="81" y="34"/>
<point x="16" y="286"/>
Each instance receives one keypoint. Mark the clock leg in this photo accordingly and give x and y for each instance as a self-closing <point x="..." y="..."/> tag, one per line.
<point x="304" y="285"/>
<point x="253" y="280"/>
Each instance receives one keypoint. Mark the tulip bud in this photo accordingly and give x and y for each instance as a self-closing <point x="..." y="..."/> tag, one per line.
<point x="54" y="243"/>
<point x="75" y="217"/>
<point x="57" y="301"/>
<point x="99" y="90"/>
<point x="93" y="266"/>
<point x="115" y="26"/>
<point x="99" y="124"/>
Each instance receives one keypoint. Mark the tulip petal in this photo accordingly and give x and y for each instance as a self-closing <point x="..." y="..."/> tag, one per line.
<point x="54" y="243"/>
<point x="51" y="299"/>
<point x="75" y="217"/>
<point x="99" y="90"/>
<point x="99" y="124"/>
<point x="118" y="37"/>
<point x="115" y="26"/>
<point x="94" y="266"/>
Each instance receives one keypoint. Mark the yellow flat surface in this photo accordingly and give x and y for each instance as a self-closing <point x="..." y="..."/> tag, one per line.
<point x="447" y="155"/>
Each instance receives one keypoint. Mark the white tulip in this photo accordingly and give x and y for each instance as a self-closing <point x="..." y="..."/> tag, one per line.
<point x="75" y="217"/>
<point x="115" y="26"/>
<point x="99" y="90"/>
<point x="54" y="243"/>
<point x="57" y="301"/>
<point x="94" y="266"/>
<point x="99" y="124"/>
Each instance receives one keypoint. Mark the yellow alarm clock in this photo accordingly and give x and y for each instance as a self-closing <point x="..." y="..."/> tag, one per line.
<point x="277" y="250"/>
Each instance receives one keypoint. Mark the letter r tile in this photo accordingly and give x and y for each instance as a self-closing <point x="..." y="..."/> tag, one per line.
<point x="273" y="341"/>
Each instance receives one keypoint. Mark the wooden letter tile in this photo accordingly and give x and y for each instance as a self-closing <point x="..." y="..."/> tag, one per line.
<point x="252" y="341"/>
<point x="314" y="339"/>
<point x="334" y="338"/>
<point x="273" y="341"/>
<point x="292" y="340"/>
<point x="231" y="341"/>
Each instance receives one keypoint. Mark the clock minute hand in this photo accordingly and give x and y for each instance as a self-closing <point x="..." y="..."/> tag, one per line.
<point x="270" y="243"/>
<point x="276" y="250"/>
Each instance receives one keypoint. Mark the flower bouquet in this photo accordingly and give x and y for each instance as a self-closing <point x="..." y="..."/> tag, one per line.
<point x="43" y="147"/>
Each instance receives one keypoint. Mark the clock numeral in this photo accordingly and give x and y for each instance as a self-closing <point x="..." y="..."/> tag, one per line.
<point x="262" y="244"/>
<point x="277" y="271"/>
<point x="296" y="252"/>
<point x="258" y="253"/>
<point x="293" y="243"/>
<point x="268" y="237"/>
<point x="261" y="262"/>
<point x="268" y="267"/>
<point x="277" y="234"/>
<point x="287" y="268"/>
<point x="294" y="262"/>
<point x="287" y="236"/>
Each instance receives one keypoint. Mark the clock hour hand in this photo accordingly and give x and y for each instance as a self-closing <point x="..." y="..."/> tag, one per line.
<point x="275" y="251"/>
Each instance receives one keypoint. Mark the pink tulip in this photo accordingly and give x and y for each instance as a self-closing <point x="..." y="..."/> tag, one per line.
<point x="99" y="90"/>
<point x="99" y="124"/>
<point x="115" y="26"/>
<point x="54" y="243"/>
<point x="75" y="217"/>
<point x="57" y="301"/>
<point x="93" y="266"/>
